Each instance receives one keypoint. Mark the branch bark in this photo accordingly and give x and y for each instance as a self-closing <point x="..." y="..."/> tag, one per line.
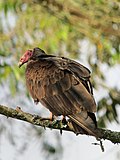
<point x="105" y="134"/>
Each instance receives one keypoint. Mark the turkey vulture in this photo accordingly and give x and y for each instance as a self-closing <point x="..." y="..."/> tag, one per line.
<point x="63" y="86"/>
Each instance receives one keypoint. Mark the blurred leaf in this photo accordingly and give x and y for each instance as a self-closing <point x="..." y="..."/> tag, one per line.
<point x="62" y="27"/>
<point x="116" y="58"/>
<point x="16" y="72"/>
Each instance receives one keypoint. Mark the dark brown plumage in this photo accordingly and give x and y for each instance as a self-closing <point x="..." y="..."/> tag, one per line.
<point x="63" y="86"/>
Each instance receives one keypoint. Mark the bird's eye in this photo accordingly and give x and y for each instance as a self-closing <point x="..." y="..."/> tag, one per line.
<point x="21" y="59"/>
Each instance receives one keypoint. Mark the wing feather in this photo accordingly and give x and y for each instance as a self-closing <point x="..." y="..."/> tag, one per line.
<point x="65" y="86"/>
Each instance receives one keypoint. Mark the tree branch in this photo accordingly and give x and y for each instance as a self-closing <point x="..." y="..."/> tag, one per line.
<point x="112" y="136"/>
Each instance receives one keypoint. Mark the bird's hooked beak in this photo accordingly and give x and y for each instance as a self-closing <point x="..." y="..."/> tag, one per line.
<point x="25" y="58"/>
<point x="20" y="64"/>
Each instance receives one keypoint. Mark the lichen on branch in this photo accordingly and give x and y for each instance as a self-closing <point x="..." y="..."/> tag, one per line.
<point x="17" y="113"/>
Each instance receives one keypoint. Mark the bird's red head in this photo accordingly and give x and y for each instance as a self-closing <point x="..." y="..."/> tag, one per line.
<point x="31" y="54"/>
<point x="26" y="56"/>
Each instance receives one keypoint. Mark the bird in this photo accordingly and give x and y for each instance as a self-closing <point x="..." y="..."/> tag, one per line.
<point x="62" y="86"/>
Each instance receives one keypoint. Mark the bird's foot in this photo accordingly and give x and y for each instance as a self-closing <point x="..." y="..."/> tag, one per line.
<point x="45" y="118"/>
<point x="50" y="118"/>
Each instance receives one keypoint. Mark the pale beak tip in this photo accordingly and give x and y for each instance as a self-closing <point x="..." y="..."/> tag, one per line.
<point x="20" y="64"/>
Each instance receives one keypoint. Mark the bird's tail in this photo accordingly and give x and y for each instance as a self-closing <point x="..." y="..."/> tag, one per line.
<point x="84" y="123"/>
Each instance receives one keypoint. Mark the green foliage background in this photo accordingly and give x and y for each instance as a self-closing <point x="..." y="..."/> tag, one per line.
<point x="58" y="27"/>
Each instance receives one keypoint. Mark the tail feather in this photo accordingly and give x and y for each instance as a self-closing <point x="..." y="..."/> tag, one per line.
<point x="83" y="123"/>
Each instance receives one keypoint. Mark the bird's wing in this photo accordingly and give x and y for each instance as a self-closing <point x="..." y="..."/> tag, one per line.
<point x="82" y="73"/>
<point x="61" y="85"/>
